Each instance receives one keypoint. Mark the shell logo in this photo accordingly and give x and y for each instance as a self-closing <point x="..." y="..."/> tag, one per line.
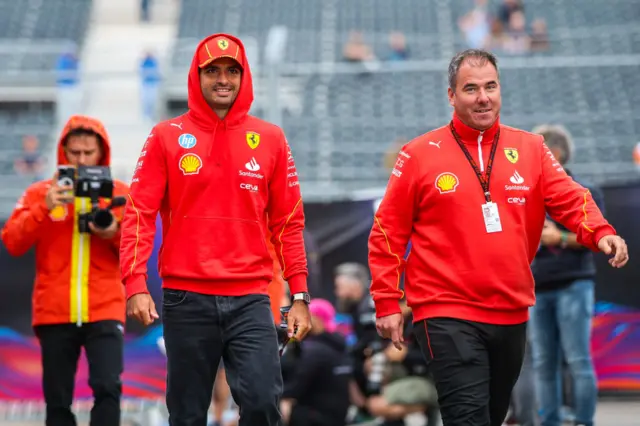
<point x="58" y="213"/>
<point x="447" y="182"/>
<point x="190" y="164"/>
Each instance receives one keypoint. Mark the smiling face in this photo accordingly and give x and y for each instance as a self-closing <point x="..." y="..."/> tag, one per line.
<point x="476" y="96"/>
<point x="220" y="84"/>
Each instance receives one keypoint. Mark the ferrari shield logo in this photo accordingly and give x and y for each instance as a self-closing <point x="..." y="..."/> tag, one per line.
<point x="223" y="44"/>
<point x="253" y="139"/>
<point x="512" y="155"/>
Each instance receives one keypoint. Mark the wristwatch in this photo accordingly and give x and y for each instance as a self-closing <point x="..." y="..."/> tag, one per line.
<point x="305" y="297"/>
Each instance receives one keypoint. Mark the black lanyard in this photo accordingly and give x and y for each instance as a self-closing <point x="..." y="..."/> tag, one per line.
<point x="484" y="180"/>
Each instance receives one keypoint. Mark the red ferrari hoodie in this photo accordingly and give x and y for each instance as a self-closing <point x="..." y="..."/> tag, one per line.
<point x="434" y="199"/>
<point x="218" y="184"/>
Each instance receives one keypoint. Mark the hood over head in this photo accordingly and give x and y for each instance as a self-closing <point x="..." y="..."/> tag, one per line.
<point x="209" y="49"/>
<point x="89" y="123"/>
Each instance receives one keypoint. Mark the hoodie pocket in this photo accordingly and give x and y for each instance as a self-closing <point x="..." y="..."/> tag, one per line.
<point x="216" y="248"/>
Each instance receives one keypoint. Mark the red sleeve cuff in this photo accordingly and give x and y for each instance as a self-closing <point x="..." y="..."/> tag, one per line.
<point x="386" y="307"/>
<point x="297" y="284"/>
<point x="135" y="285"/>
<point x="602" y="232"/>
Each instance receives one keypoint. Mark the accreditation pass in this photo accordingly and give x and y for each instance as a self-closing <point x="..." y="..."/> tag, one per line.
<point x="491" y="217"/>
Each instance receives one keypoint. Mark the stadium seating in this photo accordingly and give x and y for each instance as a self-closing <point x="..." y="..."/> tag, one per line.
<point x="43" y="24"/>
<point x="366" y="112"/>
<point x="17" y="120"/>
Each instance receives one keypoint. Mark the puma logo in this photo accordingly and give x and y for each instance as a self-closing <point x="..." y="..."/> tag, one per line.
<point x="435" y="143"/>
<point x="179" y="126"/>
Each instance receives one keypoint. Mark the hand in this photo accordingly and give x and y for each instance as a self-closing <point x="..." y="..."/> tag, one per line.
<point x="298" y="320"/>
<point x="141" y="307"/>
<point x="551" y="235"/>
<point x="613" y="244"/>
<point x="392" y="327"/>
<point x="108" y="232"/>
<point x="58" y="195"/>
<point x="394" y="355"/>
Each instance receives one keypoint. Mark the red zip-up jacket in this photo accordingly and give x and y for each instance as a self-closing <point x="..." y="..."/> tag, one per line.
<point x="218" y="184"/>
<point x="455" y="268"/>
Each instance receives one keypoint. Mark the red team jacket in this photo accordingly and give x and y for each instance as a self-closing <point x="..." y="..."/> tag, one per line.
<point x="455" y="268"/>
<point x="218" y="184"/>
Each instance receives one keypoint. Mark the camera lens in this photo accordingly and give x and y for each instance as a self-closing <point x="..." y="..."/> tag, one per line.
<point x="102" y="219"/>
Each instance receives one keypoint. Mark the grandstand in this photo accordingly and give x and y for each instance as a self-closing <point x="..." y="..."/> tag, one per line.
<point x="340" y="121"/>
<point x="33" y="34"/>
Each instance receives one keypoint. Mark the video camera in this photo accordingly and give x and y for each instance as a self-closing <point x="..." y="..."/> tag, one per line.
<point x="91" y="183"/>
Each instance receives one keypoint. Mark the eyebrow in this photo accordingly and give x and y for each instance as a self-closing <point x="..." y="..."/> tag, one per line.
<point x="468" y="85"/>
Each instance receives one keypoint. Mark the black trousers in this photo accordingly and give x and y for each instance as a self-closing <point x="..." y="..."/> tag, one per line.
<point x="475" y="367"/>
<point x="199" y="330"/>
<point x="60" y="346"/>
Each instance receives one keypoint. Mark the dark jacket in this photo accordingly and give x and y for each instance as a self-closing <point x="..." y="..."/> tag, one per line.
<point x="319" y="382"/>
<point x="554" y="267"/>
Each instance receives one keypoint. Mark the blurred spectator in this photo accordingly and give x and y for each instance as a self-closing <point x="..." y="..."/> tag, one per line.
<point x="69" y="95"/>
<point x="30" y="163"/>
<point x="508" y="8"/>
<point x="560" y="323"/>
<point x="636" y="156"/>
<point x="398" y="46"/>
<point x="150" y="79"/>
<point x="145" y="10"/>
<point x="316" y="392"/>
<point x="516" y="39"/>
<point x="524" y="405"/>
<point x="539" y="36"/>
<point x="357" y="51"/>
<point x="476" y="26"/>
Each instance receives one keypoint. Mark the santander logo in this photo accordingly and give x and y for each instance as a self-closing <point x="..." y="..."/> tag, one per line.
<point x="517" y="182"/>
<point x="252" y="165"/>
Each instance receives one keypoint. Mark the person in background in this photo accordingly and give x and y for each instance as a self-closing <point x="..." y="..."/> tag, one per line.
<point x="564" y="272"/>
<point x="150" y="85"/>
<point x="78" y="300"/>
<point x="30" y="163"/>
<point x="317" y="393"/>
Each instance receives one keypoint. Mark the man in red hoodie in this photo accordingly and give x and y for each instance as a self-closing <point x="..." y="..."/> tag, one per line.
<point x="471" y="197"/>
<point x="220" y="179"/>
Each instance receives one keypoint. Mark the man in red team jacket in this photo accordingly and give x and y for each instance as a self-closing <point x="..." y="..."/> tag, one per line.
<point x="471" y="197"/>
<point x="219" y="178"/>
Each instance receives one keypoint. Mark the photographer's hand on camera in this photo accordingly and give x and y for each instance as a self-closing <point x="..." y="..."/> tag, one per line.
<point x="141" y="307"/>
<point x="58" y="195"/>
<point x="108" y="232"/>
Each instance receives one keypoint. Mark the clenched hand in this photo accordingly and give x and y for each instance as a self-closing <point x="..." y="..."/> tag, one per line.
<point x="141" y="307"/>
<point x="298" y="320"/>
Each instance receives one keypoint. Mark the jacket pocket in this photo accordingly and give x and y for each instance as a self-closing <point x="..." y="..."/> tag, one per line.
<point x="212" y="248"/>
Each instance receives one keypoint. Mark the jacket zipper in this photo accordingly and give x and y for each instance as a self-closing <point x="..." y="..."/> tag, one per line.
<point x="480" y="152"/>
<point x="79" y="278"/>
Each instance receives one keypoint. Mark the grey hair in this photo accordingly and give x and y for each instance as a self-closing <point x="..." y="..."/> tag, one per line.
<point x="479" y="56"/>
<point x="557" y="136"/>
<point x="354" y="270"/>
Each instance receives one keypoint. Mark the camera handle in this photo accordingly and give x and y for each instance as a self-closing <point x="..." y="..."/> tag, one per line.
<point x="102" y="217"/>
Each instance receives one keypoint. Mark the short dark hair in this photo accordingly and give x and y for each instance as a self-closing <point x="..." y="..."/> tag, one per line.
<point x="478" y="55"/>
<point x="81" y="131"/>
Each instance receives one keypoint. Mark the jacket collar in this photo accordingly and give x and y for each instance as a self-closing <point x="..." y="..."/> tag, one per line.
<point x="470" y="135"/>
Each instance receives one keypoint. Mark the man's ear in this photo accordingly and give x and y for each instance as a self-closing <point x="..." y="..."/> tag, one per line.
<point x="451" y="96"/>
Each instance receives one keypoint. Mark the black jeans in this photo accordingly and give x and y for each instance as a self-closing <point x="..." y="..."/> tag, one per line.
<point x="199" y="330"/>
<point x="60" y="346"/>
<point x="475" y="367"/>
